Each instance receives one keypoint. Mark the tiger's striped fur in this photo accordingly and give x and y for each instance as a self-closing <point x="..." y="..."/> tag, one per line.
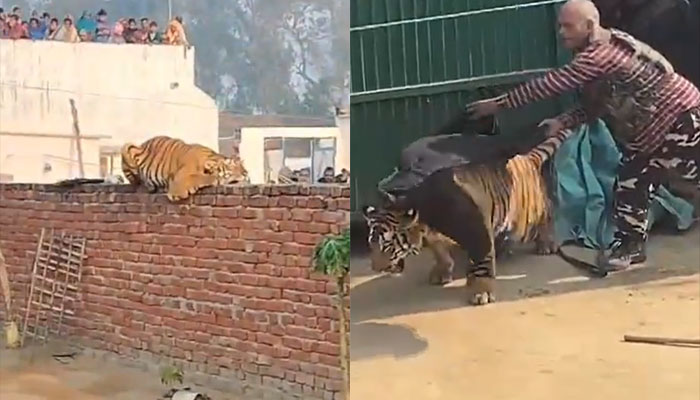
<point x="182" y="169"/>
<point x="391" y="243"/>
<point x="518" y="192"/>
<point x="511" y="198"/>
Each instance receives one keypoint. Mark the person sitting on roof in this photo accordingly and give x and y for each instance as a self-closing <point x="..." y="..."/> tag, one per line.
<point x="175" y="33"/>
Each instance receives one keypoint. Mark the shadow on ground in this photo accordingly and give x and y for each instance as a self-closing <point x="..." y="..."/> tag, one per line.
<point x="405" y="341"/>
<point x="522" y="275"/>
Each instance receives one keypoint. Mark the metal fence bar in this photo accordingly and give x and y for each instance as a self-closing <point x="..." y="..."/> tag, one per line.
<point x="444" y="86"/>
<point x="454" y="15"/>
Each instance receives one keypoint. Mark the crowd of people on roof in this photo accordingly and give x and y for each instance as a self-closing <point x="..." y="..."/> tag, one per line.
<point x="287" y="176"/>
<point x="89" y="28"/>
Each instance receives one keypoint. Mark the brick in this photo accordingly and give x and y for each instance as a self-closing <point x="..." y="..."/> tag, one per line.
<point x="257" y="201"/>
<point x="279" y="214"/>
<point x="270" y="270"/>
<point x="269" y="339"/>
<point x="221" y="282"/>
<point x="344" y="204"/>
<point x="305" y="333"/>
<point x="278" y="237"/>
<point x="307" y="238"/>
<point x="302" y="215"/>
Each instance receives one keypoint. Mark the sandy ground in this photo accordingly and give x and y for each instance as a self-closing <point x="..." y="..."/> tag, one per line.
<point x="553" y="334"/>
<point x="33" y="374"/>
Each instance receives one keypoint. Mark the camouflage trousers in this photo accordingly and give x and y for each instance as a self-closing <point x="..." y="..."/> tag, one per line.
<point x="639" y="175"/>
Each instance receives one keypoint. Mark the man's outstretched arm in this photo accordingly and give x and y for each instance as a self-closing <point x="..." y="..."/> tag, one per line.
<point x="583" y="69"/>
<point x="587" y="66"/>
<point x="567" y="120"/>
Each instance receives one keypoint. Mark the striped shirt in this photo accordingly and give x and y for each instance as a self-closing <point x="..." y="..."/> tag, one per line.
<point x="675" y="96"/>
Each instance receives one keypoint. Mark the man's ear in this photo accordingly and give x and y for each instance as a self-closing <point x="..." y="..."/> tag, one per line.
<point x="590" y="25"/>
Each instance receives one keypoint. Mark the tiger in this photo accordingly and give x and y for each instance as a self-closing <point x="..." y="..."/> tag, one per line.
<point x="471" y="206"/>
<point x="389" y="223"/>
<point x="181" y="169"/>
<point x="395" y="235"/>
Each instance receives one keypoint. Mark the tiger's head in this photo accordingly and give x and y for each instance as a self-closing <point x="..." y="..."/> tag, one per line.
<point x="393" y="235"/>
<point x="227" y="170"/>
<point x="129" y="155"/>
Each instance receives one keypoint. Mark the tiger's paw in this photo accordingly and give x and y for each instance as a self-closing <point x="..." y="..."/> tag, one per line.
<point x="150" y="187"/>
<point x="439" y="276"/>
<point x="546" y="247"/>
<point x="480" y="291"/>
<point x="177" y="196"/>
<point x="481" y="299"/>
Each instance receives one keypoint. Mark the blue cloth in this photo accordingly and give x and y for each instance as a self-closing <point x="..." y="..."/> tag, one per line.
<point x="586" y="167"/>
<point x="44" y="28"/>
<point x="89" y="25"/>
<point x="36" y="33"/>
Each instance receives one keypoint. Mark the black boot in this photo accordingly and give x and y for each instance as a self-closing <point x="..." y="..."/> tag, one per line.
<point x="626" y="251"/>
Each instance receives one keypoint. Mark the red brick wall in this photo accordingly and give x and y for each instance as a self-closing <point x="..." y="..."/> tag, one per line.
<point x="221" y="283"/>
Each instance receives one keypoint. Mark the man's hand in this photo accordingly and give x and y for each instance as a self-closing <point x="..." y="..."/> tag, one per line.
<point x="553" y="126"/>
<point x="483" y="108"/>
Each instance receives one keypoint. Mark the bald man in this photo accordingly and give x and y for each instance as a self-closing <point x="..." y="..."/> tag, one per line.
<point x="652" y="112"/>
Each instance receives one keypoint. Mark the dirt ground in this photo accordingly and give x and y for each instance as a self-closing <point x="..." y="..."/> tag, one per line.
<point x="553" y="334"/>
<point x="33" y="374"/>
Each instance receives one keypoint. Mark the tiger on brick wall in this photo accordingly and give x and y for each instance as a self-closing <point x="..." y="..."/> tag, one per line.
<point x="181" y="169"/>
<point x="471" y="206"/>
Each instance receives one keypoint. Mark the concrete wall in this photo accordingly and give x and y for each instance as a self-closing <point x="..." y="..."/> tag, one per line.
<point x="252" y="147"/>
<point x="343" y="157"/>
<point x="123" y="93"/>
<point x="46" y="158"/>
<point x="221" y="285"/>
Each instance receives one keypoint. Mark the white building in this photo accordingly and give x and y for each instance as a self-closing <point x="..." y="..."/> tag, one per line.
<point x="123" y="93"/>
<point x="267" y="143"/>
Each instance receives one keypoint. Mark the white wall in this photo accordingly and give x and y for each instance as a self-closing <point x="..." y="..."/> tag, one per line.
<point x="343" y="157"/>
<point x="27" y="155"/>
<point x="124" y="93"/>
<point x="252" y="147"/>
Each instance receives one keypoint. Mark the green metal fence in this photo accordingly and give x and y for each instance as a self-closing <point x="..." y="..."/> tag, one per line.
<point x="416" y="62"/>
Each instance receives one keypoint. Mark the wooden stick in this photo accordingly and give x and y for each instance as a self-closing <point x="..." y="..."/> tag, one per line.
<point x="76" y="131"/>
<point x="660" y="340"/>
<point x="5" y="286"/>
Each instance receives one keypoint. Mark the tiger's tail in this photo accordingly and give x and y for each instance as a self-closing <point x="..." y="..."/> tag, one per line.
<point x="538" y="156"/>
<point x="528" y="201"/>
<point x="545" y="150"/>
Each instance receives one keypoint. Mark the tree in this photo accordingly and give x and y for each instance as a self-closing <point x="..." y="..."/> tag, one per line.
<point x="332" y="258"/>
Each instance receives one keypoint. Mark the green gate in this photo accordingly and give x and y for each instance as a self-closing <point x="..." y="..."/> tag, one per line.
<point x="416" y="62"/>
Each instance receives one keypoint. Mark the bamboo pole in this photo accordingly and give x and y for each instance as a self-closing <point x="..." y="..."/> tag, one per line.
<point x="5" y="284"/>
<point x="76" y="131"/>
<point x="661" y="340"/>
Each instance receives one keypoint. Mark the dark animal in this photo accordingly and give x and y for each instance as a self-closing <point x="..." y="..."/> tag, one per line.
<point x="672" y="27"/>
<point x="471" y="206"/>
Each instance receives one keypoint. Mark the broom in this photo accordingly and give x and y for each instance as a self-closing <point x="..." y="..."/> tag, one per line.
<point x="11" y="331"/>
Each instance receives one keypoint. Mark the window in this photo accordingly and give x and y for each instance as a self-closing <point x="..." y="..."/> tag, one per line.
<point x="297" y="159"/>
<point x="109" y="162"/>
<point x="324" y="157"/>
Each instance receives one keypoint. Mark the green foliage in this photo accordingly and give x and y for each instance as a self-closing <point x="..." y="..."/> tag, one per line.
<point x="332" y="255"/>
<point x="171" y="374"/>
